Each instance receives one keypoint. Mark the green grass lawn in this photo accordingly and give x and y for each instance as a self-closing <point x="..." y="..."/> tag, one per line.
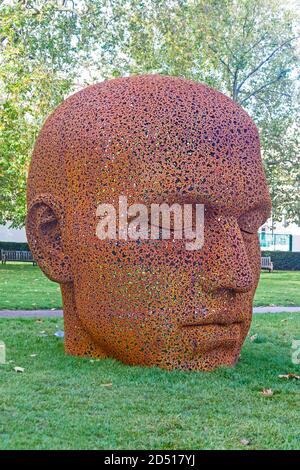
<point x="23" y="286"/>
<point x="60" y="402"/>
<point x="278" y="288"/>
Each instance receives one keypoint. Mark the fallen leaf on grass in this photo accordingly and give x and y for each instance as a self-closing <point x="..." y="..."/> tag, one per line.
<point x="43" y="334"/>
<point x="19" y="369"/>
<point x="286" y="319"/>
<point x="267" y="392"/>
<point x="106" y="385"/>
<point x="253" y="337"/>
<point x="244" y="442"/>
<point x="289" y="376"/>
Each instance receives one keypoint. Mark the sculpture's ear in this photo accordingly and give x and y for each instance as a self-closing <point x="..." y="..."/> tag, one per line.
<point x="44" y="227"/>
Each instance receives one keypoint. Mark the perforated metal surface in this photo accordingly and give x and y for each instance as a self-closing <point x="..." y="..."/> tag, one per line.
<point x="153" y="139"/>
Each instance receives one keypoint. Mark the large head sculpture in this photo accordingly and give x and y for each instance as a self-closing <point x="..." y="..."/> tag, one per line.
<point x="154" y="140"/>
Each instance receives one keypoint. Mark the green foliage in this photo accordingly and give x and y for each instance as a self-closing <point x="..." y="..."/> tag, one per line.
<point x="245" y="48"/>
<point x="281" y="145"/>
<point x="36" y="70"/>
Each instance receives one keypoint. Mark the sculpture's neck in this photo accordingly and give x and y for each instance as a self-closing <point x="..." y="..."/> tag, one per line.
<point x="77" y="340"/>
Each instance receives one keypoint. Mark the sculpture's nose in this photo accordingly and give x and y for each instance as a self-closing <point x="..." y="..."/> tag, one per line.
<point x="227" y="263"/>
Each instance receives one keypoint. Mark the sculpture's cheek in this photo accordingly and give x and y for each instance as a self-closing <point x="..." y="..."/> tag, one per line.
<point x="144" y="313"/>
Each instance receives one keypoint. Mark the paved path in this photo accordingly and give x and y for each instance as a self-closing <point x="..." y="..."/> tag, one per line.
<point x="276" y="309"/>
<point x="30" y="313"/>
<point x="58" y="313"/>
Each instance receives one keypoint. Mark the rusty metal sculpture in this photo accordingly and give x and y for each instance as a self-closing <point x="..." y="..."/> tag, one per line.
<point x="154" y="139"/>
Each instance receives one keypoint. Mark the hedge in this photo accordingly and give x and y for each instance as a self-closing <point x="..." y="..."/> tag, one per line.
<point x="284" y="260"/>
<point x="15" y="246"/>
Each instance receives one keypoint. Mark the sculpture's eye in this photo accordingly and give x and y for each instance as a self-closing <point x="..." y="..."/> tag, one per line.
<point x="252" y="220"/>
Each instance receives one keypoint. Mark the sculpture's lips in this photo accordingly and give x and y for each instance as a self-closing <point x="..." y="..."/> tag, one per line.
<point x="205" y="337"/>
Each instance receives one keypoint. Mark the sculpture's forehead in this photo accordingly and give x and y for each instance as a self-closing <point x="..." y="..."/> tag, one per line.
<point x="143" y="108"/>
<point x="156" y="134"/>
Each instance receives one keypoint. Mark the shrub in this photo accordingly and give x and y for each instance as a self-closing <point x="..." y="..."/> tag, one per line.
<point x="284" y="260"/>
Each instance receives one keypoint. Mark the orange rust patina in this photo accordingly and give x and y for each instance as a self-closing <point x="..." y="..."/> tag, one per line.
<point x="154" y="139"/>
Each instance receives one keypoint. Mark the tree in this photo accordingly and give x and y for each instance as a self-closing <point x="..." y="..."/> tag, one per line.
<point x="37" y="67"/>
<point x="245" y="48"/>
<point x="282" y="165"/>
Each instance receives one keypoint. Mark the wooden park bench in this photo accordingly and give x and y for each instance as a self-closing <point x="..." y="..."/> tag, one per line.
<point x="266" y="263"/>
<point x="11" y="255"/>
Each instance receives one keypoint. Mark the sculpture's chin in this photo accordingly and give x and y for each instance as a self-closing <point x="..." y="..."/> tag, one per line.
<point x="204" y="344"/>
<point x="211" y="360"/>
<point x="203" y="362"/>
